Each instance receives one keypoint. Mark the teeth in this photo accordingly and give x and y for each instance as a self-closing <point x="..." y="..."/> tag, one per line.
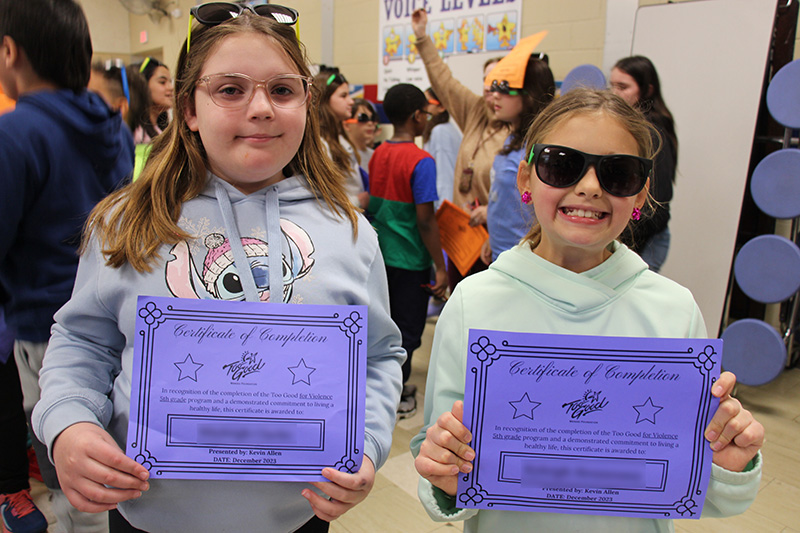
<point x="583" y="214"/>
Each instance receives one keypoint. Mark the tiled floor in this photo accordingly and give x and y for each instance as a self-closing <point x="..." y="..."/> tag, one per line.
<point x="393" y="505"/>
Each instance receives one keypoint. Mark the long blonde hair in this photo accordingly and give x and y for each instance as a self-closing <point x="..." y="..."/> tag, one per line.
<point x="586" y="102"/>
<point x="131" y="224"/>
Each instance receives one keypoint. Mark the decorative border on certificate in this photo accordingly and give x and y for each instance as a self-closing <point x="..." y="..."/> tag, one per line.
<point x="575" y="424"/>
<point x="221" y="444"/>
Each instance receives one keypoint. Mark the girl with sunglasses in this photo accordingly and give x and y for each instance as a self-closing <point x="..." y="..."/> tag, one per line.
<point x="239" y="172"/>
<point x="361" y="128"/>
<point x="635" y="80"/>
<point x="483" y="135"/>
<point x="334" y="105"/>
<point x="587" y="176"/>
<point x="508" y="219"/>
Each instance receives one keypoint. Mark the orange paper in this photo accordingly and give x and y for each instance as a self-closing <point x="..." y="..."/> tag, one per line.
<point x="461" y="241"/>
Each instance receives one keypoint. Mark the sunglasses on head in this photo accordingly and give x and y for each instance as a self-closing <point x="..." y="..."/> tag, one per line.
<point x="503" y="88"/>
<point x="361" y="118"/>
<point x="215" y="13"/>
<point x="562" y="167"/>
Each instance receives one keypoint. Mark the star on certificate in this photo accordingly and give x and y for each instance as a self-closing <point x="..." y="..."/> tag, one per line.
<point x="647" y="411"/>
<point x="524" y="407"/>
<point x="188" y="368"/>
<point x="301" y="373"/>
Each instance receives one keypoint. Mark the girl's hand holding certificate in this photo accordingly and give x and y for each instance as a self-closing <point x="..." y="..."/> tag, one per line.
<point x="734" y="434"/>
<point x="445" y="451"/>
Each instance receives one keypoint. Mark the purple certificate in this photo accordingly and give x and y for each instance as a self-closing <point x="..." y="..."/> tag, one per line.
<point x="241" y="390"/>
<point x="589" y="425"/>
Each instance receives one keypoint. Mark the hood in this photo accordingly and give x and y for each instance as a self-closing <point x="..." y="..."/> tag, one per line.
<point x="570" y="291"/>
<point x="227" y="197"/>
<point x="90" y="122"/>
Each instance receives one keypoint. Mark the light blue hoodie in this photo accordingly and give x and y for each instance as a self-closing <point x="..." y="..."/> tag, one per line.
<point x="88" y="365"/>
<point x="523" y="292"/>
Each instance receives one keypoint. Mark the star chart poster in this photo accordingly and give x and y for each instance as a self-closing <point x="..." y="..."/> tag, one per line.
<point x="455" y="27"/>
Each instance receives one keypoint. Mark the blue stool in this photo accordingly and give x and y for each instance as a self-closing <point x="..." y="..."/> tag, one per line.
<point x="588" y="76"/>
<point x="775" y="185"/>
<point x="782" y="95"/>
<point x="754" y="351"/>
<point x="767" y="268"/>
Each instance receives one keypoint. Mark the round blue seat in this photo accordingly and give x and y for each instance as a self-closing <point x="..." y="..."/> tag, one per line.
<point x="767" y="268"/>
<point x="754" y="351"/>
<point x="588" y="76"/>
<point x="782" y="95"/>
<point x="775" y="185"/>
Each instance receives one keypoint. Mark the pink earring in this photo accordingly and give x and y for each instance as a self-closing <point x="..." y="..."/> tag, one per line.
<point x="637" y="213"/>
<point x="526" y="197"/>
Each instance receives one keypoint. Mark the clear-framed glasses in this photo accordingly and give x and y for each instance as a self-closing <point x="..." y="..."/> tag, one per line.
<point x="287" y="91"/>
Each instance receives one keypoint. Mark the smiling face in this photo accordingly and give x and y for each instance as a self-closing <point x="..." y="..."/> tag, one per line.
<point x="579" y="222"/>
<point x="361" y="133"/>
<point x="341" y="102"/>
<point x="247" y="146"/>
<point x="624" y="86"/>
<point x="160" y="85"/>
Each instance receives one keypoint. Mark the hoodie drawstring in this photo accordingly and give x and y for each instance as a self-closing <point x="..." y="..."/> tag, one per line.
<point x="274" y="242"/>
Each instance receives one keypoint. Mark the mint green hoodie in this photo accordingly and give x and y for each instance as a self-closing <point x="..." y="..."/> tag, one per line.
<point x="523" y="292"/>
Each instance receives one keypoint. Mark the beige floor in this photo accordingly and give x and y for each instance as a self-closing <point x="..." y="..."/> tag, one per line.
<point x="393" y="505"/>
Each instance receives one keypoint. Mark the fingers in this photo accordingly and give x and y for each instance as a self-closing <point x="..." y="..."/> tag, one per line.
<point x="344" y="490"/>
<point x="445" y="450"/>
<point x="732" y="423"/>
<point x="723" y="387"/>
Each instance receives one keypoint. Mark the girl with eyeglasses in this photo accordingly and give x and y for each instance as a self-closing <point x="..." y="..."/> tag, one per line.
<point x="483" y="135"/>
<point x="586" y="172"/>
<point x="238" y="201"/>
<point x="334" y="105"/>
<point x="635" y="80"/>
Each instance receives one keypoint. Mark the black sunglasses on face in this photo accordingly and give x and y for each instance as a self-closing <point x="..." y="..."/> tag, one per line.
<point x="361" y="118"/>
<point x="215" y="13"/>
<point x="503" y="88"/>
<point x="562" y="167"/>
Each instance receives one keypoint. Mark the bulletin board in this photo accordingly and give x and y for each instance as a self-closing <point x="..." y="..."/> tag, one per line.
<point x="711" y="64"/>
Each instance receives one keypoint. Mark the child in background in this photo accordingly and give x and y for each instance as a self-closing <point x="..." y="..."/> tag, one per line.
<point x="403" y="189"/>
<point x="572" y="276"/>
<point x="361" y="128"/>
<point x="522" y="86"/>
<point x="441" y="139"/>
<point x="107" y="82"/>
<point x="160" y="88"/>
<point x="239" y="168"/>
<point x="334" y="105"/>
<point x="61" y="151"/>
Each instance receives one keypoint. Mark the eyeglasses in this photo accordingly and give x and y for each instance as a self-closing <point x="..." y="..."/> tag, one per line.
<point x="215" y="13"/>
<point x="287" y="91"/>
<point x="503" y="88"/>
<point x="562" y="167"/>
<point x="362" y="118"/>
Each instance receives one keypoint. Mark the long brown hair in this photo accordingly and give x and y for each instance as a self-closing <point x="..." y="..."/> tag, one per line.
<point x="330" y="125"/>
<point x="133" y="223"/>
<point x="583" y="101"/>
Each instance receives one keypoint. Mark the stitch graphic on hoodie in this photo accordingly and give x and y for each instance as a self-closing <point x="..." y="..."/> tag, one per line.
<point x="219" y="279"/>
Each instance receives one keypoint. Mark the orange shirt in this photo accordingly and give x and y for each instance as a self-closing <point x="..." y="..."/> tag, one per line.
<point x="6" y="103"/>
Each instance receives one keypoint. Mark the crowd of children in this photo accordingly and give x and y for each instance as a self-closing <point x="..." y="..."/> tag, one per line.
<point x="247" y="149"/>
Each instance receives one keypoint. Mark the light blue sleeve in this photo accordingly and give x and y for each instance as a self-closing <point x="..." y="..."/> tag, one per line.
<point x="385" y="356"/>
<point x="445" y="385"/>
<point x="82" y="358"/>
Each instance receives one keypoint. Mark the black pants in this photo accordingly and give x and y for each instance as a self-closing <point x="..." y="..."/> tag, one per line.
<point x="13" y="431"/>
<point x="118" y="524"/>
<point x="408" y="305"/>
